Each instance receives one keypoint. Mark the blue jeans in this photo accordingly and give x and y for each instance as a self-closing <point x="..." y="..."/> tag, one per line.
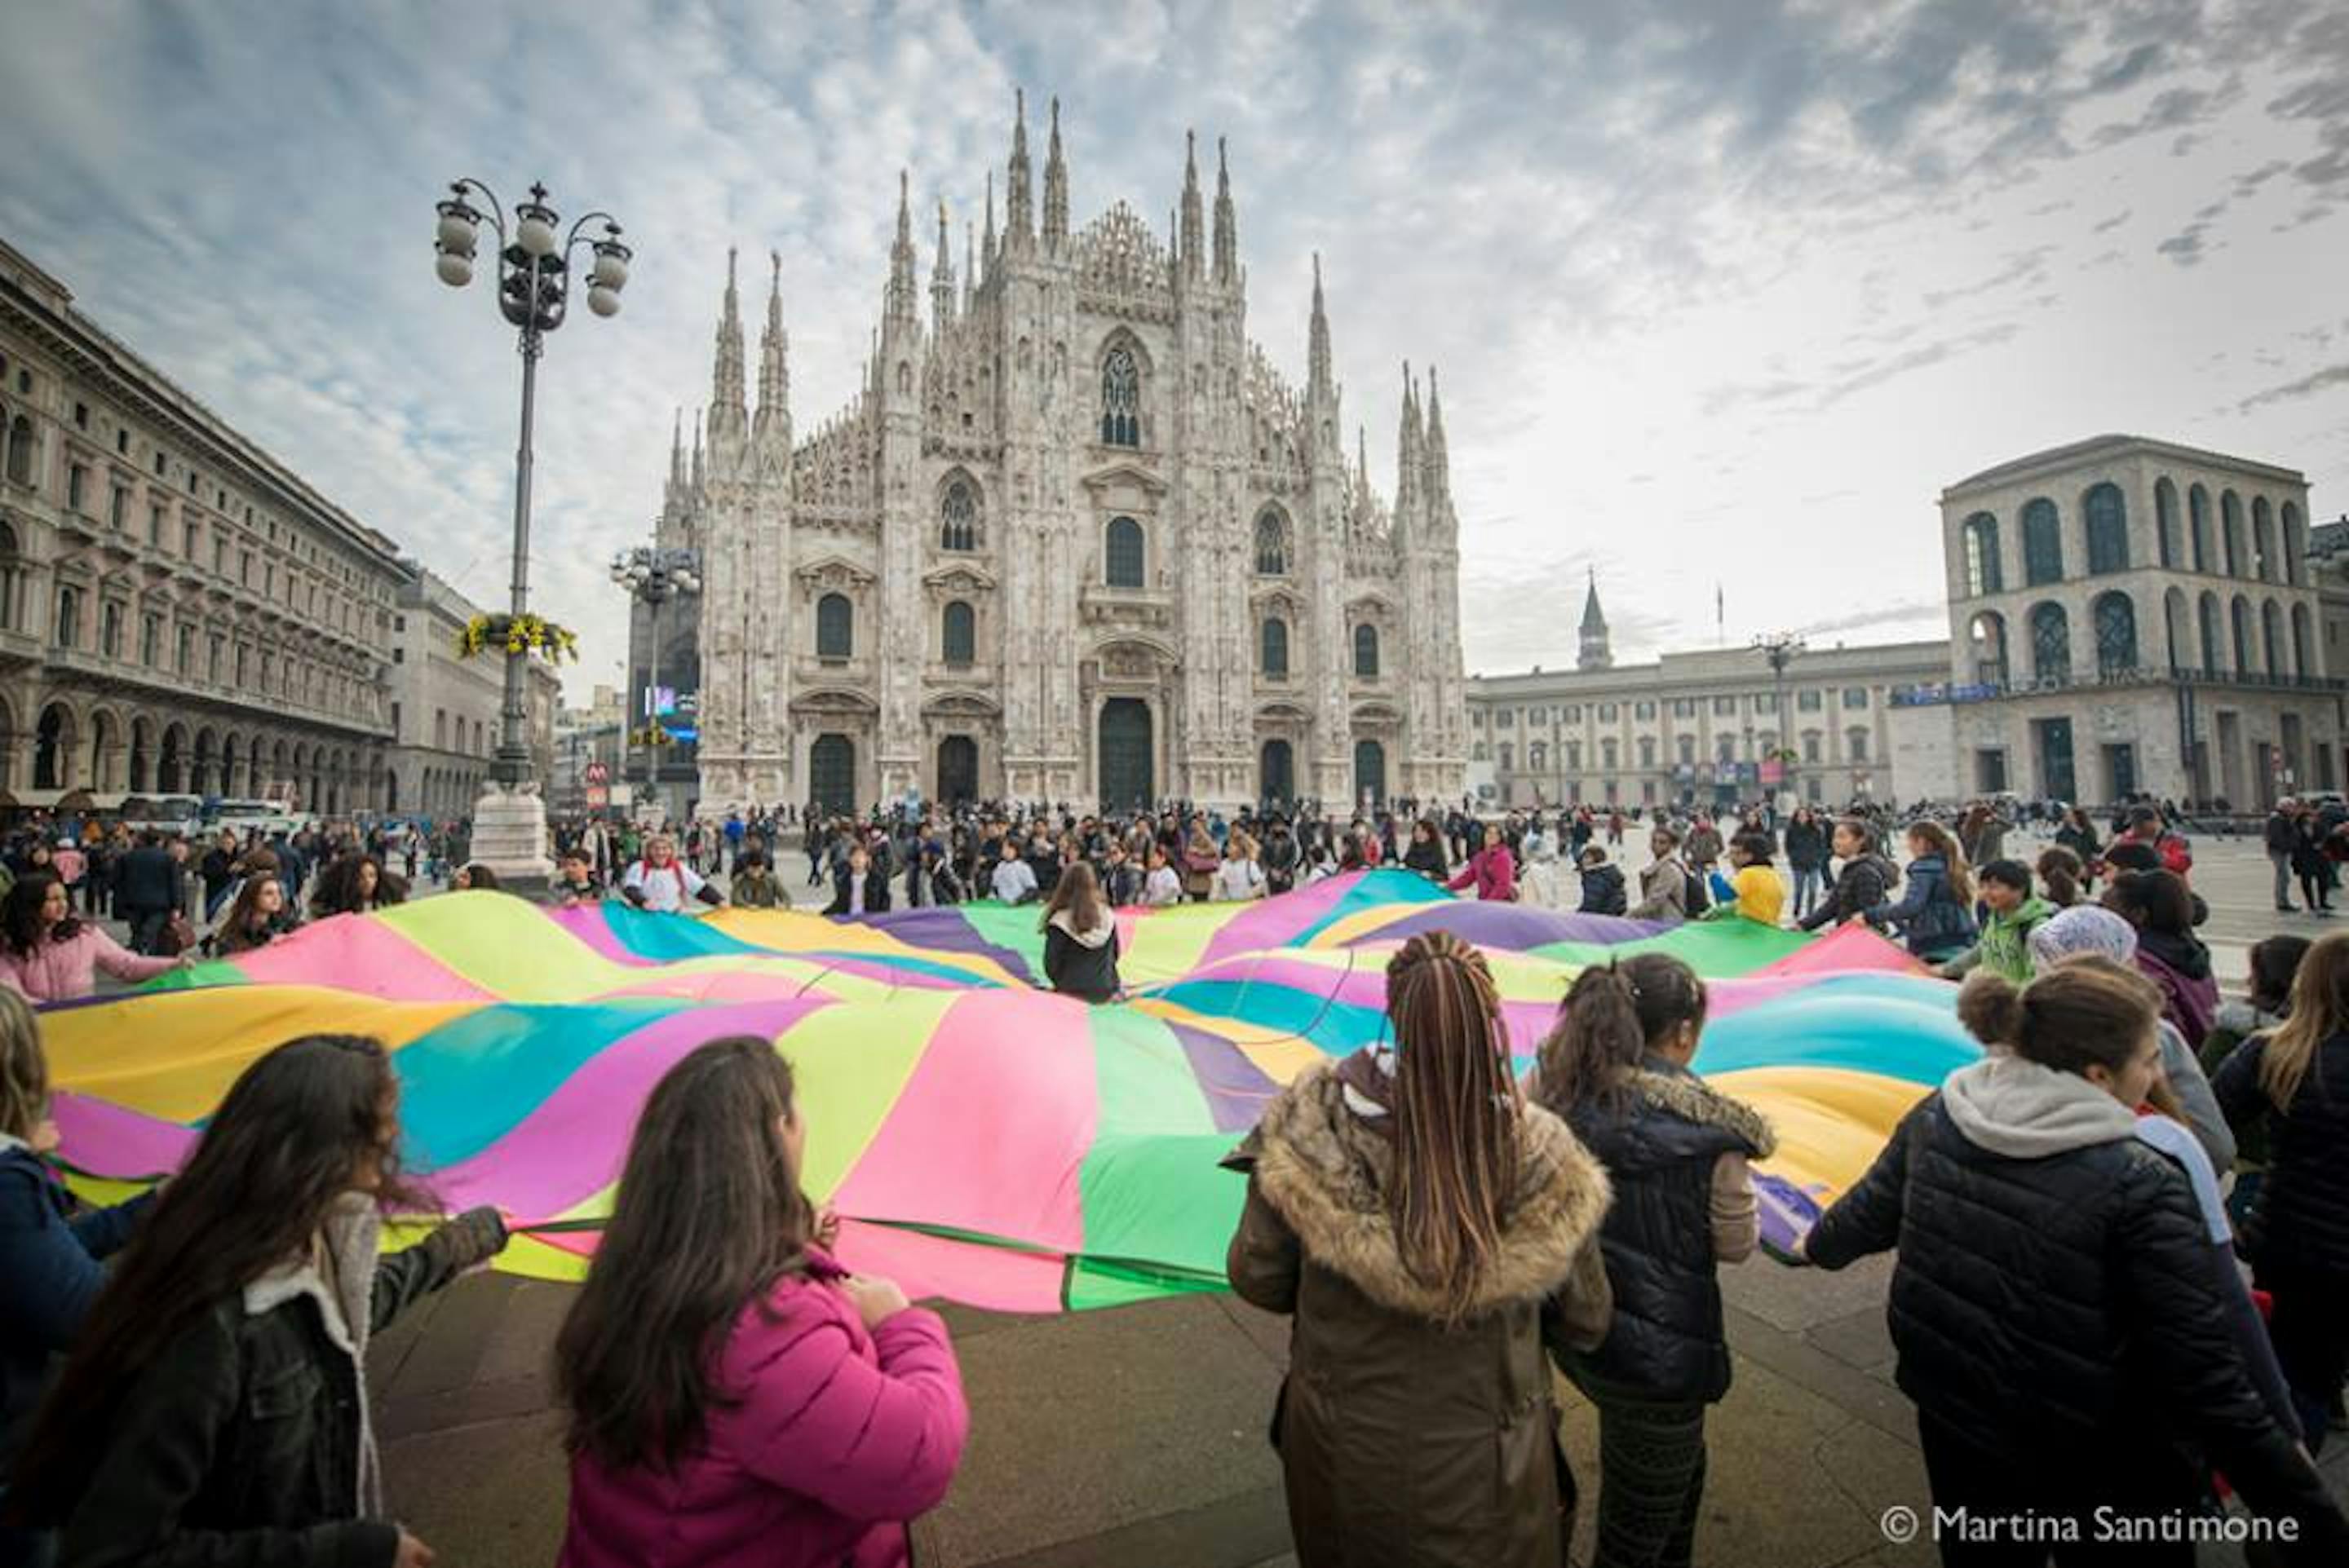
<point x="1810" y="883"/>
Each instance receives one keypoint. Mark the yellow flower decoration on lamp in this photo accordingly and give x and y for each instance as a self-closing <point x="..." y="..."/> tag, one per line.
<point x="518" y="635"/>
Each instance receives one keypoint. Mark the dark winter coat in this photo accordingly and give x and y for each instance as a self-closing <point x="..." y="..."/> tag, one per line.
<point x="876" y="891"/>
<point x="2299" y="1222"/>
<point x="241" y="1441"/>
<point x="148" y="881"/>
<point x="1932" y="922"/>
<point x="1428" y="859"/>
<point x="2180" y="965"/>
<point x="1807" y="846"/>
<point x="1082" y="967"/>
<point x="1860" y="886"/>
<point x="49" y="1274"/>
<point x="2045" y="1307"/>
<point x="1659" y="1140"/>
<point x="1403" y="1442"/>
<point x="1603" y="892"/>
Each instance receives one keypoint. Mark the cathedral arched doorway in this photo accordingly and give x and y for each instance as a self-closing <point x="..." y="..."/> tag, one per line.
<point x="52" y="749"/>
<point x="1277" y="781"/>
<point x="832" y="774"/>
<point x="1126" y="766"/>
<point x="1370" y="772"/>
<point x="957" y="770"/>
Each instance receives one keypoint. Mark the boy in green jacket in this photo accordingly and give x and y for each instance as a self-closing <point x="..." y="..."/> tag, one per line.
<point x="2015" y="911"/>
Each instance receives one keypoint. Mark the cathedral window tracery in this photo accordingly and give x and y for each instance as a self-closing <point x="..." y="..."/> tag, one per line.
<point x="959" y="517"/>
<point x="1271" y="544"/>
<point x="1120" y="421"/>
<point x="835" y="628"/>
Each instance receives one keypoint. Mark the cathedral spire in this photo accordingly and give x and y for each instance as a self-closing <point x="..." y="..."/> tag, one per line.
<point x="677" y="452"/>
<point x="1056" y="188"/>
<point x="942" y="281"/>
<point x="899" y="309"/>
<point x="1228" y="229"/>
<point x="987" y="250"/>
<point x="1409" y="454"/>
<point x="969" y="265"/>
<point x="697" y="470"/>
<point x="1439" y="461"/>
<point x="1596" y="653"/>
<point x="772" y="428"/>
<point x="729" y="418"/>
<point x="1195" y="251"/>
<point x="1317" y="384"/>
<point x="1018" y="223"/>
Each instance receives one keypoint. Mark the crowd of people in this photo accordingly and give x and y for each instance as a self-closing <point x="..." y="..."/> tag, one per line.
<point x="2121" y="1236"/>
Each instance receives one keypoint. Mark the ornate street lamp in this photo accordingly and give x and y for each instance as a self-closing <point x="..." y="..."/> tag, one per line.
<point x="534" y="278"/>
<point x="1781" y="649"/>
<point x="653" y="577"/>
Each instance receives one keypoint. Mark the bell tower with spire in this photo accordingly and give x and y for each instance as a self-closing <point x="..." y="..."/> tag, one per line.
<point x="1596" y="653"/>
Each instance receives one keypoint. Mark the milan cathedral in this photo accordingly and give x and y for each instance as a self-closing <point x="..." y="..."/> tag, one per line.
<point x="1074" y="540"/>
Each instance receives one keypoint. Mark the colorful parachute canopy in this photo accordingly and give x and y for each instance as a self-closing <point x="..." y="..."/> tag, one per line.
<point x="986" y="1141"/>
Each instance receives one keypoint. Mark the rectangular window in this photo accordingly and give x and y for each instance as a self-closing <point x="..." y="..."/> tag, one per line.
<point x="1537" y="717"/>
<point x="241" y="663"/>
<point x="151" y="639"/>
<point x="400" y="655"/>
<point x="155" y="527"/>
<point x="1574" y="713"/>
<point x="77" y="479"/>
<point x="187" y="650"/>
<point x="1508" y="719"/>
<point x="1724" y="708"/>
<point x="117" y="508"/>
<point x="1855" y="698"/>
<point x="269" y="580"/>
<point x="1810" y="746"/>
<point x="1684" y="708"/>
<point x="219" y="649"/>
<point x="1606" y="713"/>
<point x="1809" y="701"/>
<point x="67" y="630"/>
<point x="244" y="567"/>
<point x="161" y="462"/>
<point x="1765" y="702"/>
<point x="395" y="720"/>
<point x="82" y="416"/>
<point x="1644" y="711"/>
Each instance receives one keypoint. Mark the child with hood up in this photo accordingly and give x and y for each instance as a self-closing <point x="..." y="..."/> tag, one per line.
<point x="1602" y="885"/>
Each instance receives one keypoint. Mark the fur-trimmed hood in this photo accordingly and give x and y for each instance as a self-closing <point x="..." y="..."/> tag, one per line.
<point x="1690" y="1098"/>
<point x="1326" y="1171"/>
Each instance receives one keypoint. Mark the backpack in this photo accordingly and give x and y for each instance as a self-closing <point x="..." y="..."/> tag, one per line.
<point x="1698" y="898"/>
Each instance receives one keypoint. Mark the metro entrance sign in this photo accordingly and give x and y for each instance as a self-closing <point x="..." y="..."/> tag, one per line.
<point x="598" y="774"/>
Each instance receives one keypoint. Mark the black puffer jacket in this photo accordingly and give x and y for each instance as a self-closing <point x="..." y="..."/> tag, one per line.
<point x="1860" y="886"/>
<point x="2299" y="1220"/>
<point x="2048" y="1306"/>
<point x="1660" y="1141"/>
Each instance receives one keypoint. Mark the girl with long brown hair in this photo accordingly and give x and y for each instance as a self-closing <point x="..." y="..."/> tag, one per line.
<point x="737" y="1397"/>
<point x="215" y="1407"/>
<point x="2293" y="1081"/>
<point x="1935" y="913"/>
<point x="1426" y="1228"/>
<point x="1616" y="1067"/>
<point x="1081" y="937"/>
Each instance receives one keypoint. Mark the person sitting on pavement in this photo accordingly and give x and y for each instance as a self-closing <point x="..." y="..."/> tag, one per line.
<point x="1665" y="880"/>
<point x="213" y="1406"/>
<point x="1014" y="881"/>
<point x="575" y="881"/>
<point x="735" y="1396"/>
<point x="1426" y="1229"/>
<point x="1756" y="891"/>
<point x="47" y="955"/>
<point x="1080" y="946"/>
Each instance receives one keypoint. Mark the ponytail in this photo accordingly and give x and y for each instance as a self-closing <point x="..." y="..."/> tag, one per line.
<point x="2087" y="1011"/>
<point x="1595" y="1042"/>
<point x="2060" y="870"/>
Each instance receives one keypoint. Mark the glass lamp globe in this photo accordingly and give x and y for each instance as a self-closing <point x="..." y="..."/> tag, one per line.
<point x="455" y="269"/>
<point x="457" y="227"/>
<point x="603" y="301"/>
<point x="611" y="268"/>
<point x="534" y="231"/>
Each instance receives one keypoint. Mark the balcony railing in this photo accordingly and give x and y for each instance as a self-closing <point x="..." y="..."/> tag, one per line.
<point x="1939" y="693"/>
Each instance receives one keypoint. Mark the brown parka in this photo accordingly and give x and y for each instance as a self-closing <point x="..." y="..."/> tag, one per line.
<point x="1404" y="1440"/>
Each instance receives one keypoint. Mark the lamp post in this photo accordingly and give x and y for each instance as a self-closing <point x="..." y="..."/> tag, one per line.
<point x="654" y="576"/>
<point x="534" y="261"/>
<point x="1781" y="649"/>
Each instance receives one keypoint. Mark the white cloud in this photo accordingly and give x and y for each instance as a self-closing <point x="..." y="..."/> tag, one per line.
<point x="1721" y="290"/>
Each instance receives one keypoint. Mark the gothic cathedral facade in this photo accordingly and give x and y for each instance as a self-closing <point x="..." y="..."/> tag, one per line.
<point x="1074" y="540"/>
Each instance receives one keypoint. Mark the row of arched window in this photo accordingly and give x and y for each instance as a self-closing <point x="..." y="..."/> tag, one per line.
<point x="2270" y="553"/>
<point x="1272" y="649"/>
<point x="1126" y="562"/>
<point x="1610" y="754"/>
<point x="2239" y="639"/>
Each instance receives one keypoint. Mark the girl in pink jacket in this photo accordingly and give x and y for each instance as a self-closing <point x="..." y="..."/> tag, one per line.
<point x="1492" y="869"/>
<point x="47" y="955"/>
<point x="737" y="1397"/>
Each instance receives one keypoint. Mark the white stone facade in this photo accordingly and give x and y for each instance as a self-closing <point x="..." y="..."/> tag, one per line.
<point x="445" y="708"/>
<point x="1075" y="539"/>
<point x="179" y="611"/>
<point x="1698" y="728"/>
<point x="2131" y="616"/>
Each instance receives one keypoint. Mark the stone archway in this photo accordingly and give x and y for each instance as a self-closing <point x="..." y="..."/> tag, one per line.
<point x="957" y="770"/>
<point x="832" y="773"/>
<point x="53" y="738"/>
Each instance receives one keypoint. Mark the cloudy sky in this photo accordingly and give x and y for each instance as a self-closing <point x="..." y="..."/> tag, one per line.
<point x="1723" y="293"/>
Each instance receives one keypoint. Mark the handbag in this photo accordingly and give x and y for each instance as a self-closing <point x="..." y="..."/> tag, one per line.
<point x="177" y="936"/>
